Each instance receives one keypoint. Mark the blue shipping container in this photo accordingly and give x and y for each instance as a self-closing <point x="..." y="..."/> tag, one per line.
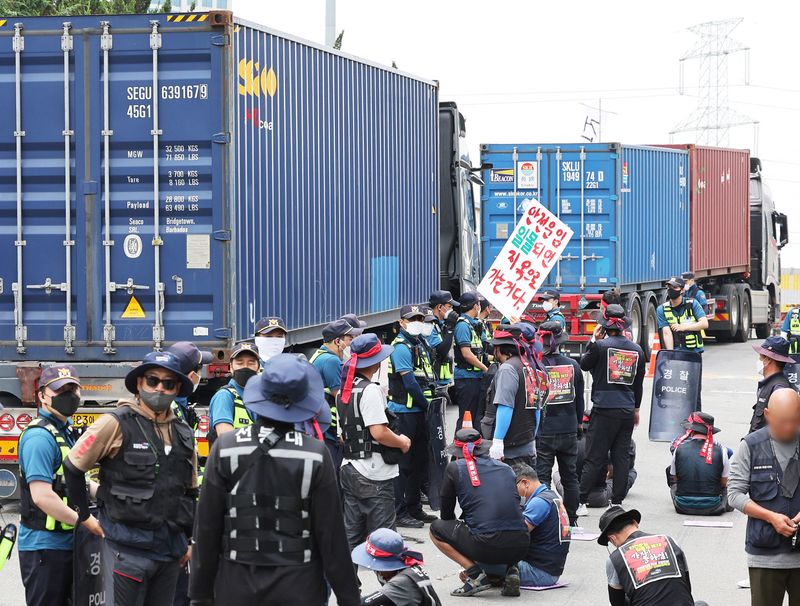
<point x="177" y="177"/>
<point x="628" y="207"/>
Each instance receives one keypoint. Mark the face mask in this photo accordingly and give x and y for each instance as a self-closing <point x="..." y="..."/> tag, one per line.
<point x="346" y="353"/>
<point x="760" y="367"/>
<point x="269" y="347"/>
<point x="381" y="580"/>
<point x="674" y="294"/>
<point x="66" y="403"/>
<point x="427" y="329"/>
<point x="243" y="375"/>
<point x="547" y="306"/>
<point x="415" y="328"/>
<point x="157" y="402"/>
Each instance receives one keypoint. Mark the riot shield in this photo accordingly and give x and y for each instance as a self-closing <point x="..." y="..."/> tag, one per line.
<point x="437" y="459"/>
<point x="790" y="371"/>
<point x="93" y="570"/>
<point x="676" y="389"/>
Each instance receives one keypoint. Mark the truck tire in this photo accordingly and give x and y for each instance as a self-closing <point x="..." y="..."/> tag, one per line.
<point x="650" y="323"/>
<point x="745" y="325"/>
<point x="634" y="312"/>
<point x="731" y="294"/>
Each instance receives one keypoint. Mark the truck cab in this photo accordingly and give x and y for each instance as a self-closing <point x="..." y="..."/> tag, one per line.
<point x="459" y="210"/>
<point x="769" y="233"/>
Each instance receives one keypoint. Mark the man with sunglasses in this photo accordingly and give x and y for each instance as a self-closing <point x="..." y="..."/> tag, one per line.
<point x="148" y="482"/>
<point x="46" y="532"/>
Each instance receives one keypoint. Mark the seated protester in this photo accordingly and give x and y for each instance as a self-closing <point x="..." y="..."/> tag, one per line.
<point x="492" y="530"/>
<point x="600" y="493"/>
<point x="548" y="525"/>
<point x="403" y="580"/>
<point x="631" y="582"/>
<point x="698" y="475"/>
<point x="227" y="410"/>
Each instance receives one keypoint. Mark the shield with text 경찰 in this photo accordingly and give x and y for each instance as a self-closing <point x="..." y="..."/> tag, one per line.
<point x="437" y="442"/>
<point x="676" y="389"/>
<point x="93" y="570"/>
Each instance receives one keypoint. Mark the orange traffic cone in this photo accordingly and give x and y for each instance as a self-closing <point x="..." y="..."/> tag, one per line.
<point x="651" y="368"/>
<point x="467" y="421"/>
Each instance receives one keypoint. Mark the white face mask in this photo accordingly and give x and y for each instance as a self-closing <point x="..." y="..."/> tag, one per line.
<point x="760" y="367"/>
<point x="269" y="347"/>
<point x="346" y="353"/>
<point x="547" y="305"/>
<point x="415" y="328"/>
<point x="427" y="329"/>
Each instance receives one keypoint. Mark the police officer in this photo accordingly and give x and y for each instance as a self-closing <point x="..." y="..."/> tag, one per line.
<point x="441" y="338"/>
<point x="148" y="482"/>
<point x="683" y="317"/>
<point x="632" y="583"/>
<point x="692" y="289"/>
<point x="617" y="366"/>
<point x="470" y="358"/>
<point x="354" y="321"/>
<point x="45" y="537"/>
<point x="411" y="384"/>
<point x="270" y="514"/>
<point x="699" y="470"/>
<point x="491" y="529"/>
<point x="512" y="402"/>
<point x="791" y="329"/>
<point x="773" y="355"/>
<point x="227" y="409"/>
<point x="192" y="361"/>
<point x="551" y="300"/>
<point x="270" y="337"/>
<point x="557" y="438"/>
<point x="336" y="337"/>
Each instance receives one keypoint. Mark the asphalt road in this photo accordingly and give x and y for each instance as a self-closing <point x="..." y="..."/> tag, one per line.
<point x="716" y="555"/>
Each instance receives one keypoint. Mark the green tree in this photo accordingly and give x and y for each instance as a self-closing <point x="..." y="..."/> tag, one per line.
<point x="33" y="8"/>
<point x="166" y="7"/>
<point x="338" y="43"/>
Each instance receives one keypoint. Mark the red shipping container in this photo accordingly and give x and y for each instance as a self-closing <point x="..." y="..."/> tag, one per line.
<point x="719" y="240"/>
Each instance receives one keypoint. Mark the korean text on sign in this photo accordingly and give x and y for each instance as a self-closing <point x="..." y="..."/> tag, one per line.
<point x="526" y="259"/>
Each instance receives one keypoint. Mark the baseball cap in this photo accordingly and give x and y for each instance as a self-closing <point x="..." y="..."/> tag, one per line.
<point x="244" y="347"/>
<point x="688" y="275"/>
<point x="549" y="294"/>
<point x="339" y="328"/>
<point x="189" y="356"/>
<point x="57" y="376"/>
<point x="468" y="300"/>
<point x="674" y="282"/>
<point x="269" y="324"/>
<point x="441" y="297"/>
<point x="354" y="321"/>
<point x="412" y="311"/>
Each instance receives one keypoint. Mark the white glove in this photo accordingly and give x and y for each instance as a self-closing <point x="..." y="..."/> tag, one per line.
<point x="496" y="451"/>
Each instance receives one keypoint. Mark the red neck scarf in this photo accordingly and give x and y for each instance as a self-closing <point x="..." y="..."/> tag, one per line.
<point x="409" y="558"/>
<point x="349" y="370"/>
<point x="708" y="446"/>
<point x="472" y="468"/>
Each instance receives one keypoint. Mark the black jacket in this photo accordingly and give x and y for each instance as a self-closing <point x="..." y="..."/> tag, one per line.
<point x="765" y="388"/>
<point x="617" y="366"/>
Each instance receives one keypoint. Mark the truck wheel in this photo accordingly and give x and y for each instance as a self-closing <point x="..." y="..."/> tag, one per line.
<point x="634" y="312"/>
<point x="650" y="324"/>
<point x="731" y="295"/>
<point x="744" y="315"/>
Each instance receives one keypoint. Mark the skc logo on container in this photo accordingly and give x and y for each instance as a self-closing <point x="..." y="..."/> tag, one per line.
<point x="527" y="175"/>
<point x="253" y="80"/>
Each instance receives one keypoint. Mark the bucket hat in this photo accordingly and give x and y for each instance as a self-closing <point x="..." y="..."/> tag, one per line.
<point x="384" y="551"/>
<point x="160" y="359"/>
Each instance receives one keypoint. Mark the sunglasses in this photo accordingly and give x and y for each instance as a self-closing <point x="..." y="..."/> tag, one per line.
<point x="153" y="381"/>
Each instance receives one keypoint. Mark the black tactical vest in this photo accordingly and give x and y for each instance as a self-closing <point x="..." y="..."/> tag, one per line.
<point x="358" y="441"/>
<point x="523" y="421"/>
<point x="268" y="517"/>
<point x="695" y="477"/>
<point x="142" y="486"/>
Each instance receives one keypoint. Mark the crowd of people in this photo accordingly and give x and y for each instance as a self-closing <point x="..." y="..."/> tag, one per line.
<point x="314" y="464"/>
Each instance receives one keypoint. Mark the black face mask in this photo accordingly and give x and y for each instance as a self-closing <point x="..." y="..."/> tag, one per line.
<point x="243" y="375"/>
<point x="674" y="294"/>
<point x="66" y="403"/>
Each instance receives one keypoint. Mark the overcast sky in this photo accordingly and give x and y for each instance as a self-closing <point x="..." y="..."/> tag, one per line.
<point x="520" y="70"/>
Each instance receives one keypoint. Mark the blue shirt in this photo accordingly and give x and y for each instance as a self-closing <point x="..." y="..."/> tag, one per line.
<point x="555" y="315"/>
<point x="402" y="361"/>
<point x="536" y="509"/>
<point x="787" y="322"/>
<point x="677" y="310"/>
<point x="330" y="367"/>
<point x="221" y="408"/>
<point x="39" y="458"/>
<point x="462" y="335"/>
<point x="698" y="294"/>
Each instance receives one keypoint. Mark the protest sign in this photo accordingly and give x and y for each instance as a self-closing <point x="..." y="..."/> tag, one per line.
<point x="526" y="259"/>
<point x="622" y="365"/>
<point x="561" y="383"/>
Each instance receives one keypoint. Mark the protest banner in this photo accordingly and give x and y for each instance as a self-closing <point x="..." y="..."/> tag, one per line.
<point x="561" y="383"/>
<point x="526" y="259"/>
<point x="650" y="558"/>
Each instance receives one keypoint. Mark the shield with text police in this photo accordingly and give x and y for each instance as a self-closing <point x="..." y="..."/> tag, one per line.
<point x="93" y="570"/>
<point x="676" y="388"/>
<point x="437" y="442"/>
<point x="790" y="371"/>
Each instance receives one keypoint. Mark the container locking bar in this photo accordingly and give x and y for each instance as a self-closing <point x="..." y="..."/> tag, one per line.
<point x="106" y="43"/>
<point x="69" y="328"/>
<point x="158" y="326"/>
<point x="49" y="286"/>
<point x="127" y="286"/>
<point x="20" y="330"/>
<point x="583" y="225"/>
